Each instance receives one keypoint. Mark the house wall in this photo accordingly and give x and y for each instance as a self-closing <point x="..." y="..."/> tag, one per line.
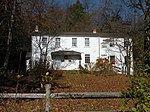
<point x="115" y="48"/>
<point x="99" y="47"/>
<point x="92" y="49"/>
<point x="38" y="48"/>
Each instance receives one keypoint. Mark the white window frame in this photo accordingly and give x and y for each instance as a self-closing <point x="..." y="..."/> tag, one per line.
<point x="112" y="42"/>
<point x="87" y="58"/>
<point x="57" y="42"/>
<point x="74" y="42"/>
<point x="87" y="42"/>
<point x="44" y="41"/>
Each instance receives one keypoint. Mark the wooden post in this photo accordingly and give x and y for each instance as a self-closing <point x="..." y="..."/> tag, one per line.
<point x="47" y="88"/>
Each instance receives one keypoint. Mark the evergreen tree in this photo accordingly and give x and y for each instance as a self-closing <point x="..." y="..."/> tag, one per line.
<point x="77" y="19"/>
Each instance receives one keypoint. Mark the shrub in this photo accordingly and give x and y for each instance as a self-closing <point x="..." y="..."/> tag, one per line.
<point x="37" y="77"/>
<point x="49" y="78"/>
<point x="137" y="92"/>
<point x="103" y="66"/>
<point x="85" y="69"/>
<point x="2" y="72"/>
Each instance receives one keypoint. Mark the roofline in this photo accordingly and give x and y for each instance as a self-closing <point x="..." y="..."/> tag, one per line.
<point x="82" y="34"/>
<point x="89" y="34"/>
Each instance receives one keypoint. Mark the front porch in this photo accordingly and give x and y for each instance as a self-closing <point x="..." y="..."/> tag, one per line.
<point x="66" y="60"/>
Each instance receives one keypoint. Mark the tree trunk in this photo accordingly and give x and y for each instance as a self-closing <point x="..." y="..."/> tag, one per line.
<point x="9" y="36"/>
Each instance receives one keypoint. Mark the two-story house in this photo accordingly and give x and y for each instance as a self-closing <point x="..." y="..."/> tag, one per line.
<point x="69" y="50"/>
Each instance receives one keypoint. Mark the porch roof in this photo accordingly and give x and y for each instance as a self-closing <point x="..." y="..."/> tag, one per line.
<point x="66" y="55"/>
<point x="62" y="52"/>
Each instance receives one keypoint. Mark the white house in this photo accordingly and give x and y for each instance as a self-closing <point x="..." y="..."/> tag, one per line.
<point x="69" y="50"/>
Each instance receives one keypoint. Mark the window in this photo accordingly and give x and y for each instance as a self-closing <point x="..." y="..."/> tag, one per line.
<point x="74" y="42"/>
<point x="87" y="42"/>
<point x="112" y="59"/>
<point x="42" y="57"/>
<point x="44" y="41"/>
<point x="57" y="42"/>
<point x="126" y="42"/>
<point x="112" y="43"/>
<point x="104" y="45"/>
<point x="87" y="58"/>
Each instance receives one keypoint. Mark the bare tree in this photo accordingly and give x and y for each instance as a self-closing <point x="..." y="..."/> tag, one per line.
<point x="142" y="27"/>
<point x="9" y="39"/>
<point x="88" y="5"/>
<point x="41" y="48"/>
<point x="52" y="26"/>
<point x="123" y="48"/>
<point x="107" y="16"/>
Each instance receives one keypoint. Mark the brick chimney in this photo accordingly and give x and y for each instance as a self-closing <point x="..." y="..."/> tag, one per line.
<point x="94" y="30"/>
<point x="36" y="28"/>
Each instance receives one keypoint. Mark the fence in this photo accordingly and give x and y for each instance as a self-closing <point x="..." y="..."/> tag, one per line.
<point x="65" y="95"/>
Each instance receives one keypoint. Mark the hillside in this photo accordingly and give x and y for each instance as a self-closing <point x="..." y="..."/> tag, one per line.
<point x="75" y="83"/>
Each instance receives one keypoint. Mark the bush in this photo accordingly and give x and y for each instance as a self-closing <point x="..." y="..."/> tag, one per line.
<point x="37" y="77"/>
<point x="137" y="92"/>
<point x="102" y="66"/>
<point x="87" y="69"/>
<point x="49" y="78"/>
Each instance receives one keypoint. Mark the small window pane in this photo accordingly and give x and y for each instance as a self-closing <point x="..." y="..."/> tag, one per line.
<point x="87" y="58"/>
<point x="112" y="59"/>
<point x="44" y="41"/>
<point x="74" y="41"/>
<point x="57" y="42"/>
<point x="87" y="42"/>
<point x="112" y="43"/>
